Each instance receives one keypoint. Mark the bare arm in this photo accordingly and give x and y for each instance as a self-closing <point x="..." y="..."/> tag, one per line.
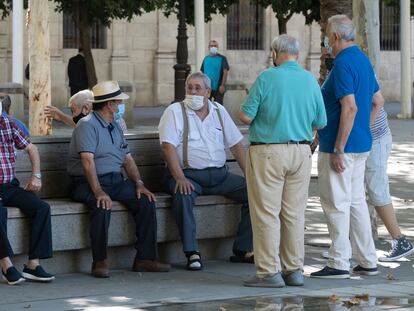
<point x="58" y="115"/>
<point x="34" y="183"/>
<point x="134" y="175"/>
<point x="224" y="81"/>
<point x="170" y="155"/>
<point x="238" y="152"/>
<point x="244" y="118"/>
<point x="377" y="104"/>
<point x="88" y="164"/>
<point x="346" y="122"/>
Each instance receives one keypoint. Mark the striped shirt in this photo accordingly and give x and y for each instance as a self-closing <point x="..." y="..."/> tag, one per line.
<point x="380" y="127"/>
<point x="11" y="138"/>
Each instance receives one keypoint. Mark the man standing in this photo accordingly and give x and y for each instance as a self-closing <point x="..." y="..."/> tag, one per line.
<point x="283" y="108"/>
<point x="216" y="67"/>
<point x="344" y="146"/>
<point x="38" y="211"/>
<point x="97" y="153"/>
<point x="194" y="135"/>
<point x="78" y="77"/>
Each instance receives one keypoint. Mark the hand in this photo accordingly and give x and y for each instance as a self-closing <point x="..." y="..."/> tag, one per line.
<point x="33" y="185"/>
<point x="184" y="186"/>
<point x="141" y="189"/>
<point x="222" y="89"/>
<point x="313" y="146"/>
<point x="54" y="113"/>
<point x="103" y="200"/>
<point x="336" y="161"/>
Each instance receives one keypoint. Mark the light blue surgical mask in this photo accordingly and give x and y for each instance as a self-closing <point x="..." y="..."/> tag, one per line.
<point x="213" y="50"/>
<point x="121" y="111"/>
<point x="327" y="46"/>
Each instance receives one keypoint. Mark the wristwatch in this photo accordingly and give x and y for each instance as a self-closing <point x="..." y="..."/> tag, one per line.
<point x="337" y="151"/>
<point x="37" y="175"/>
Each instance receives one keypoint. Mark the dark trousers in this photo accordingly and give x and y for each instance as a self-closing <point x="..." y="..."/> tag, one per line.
<point x="217" y="96"/>
<point x="38" y="211"/>
<point x="210" y="181"/>
<point x="123" y="191"/>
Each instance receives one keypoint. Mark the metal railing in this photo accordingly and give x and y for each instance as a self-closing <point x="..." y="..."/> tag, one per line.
<point x="71" y="38"/>
<point x="245" y="26"/>
<point x="389" y="27"/>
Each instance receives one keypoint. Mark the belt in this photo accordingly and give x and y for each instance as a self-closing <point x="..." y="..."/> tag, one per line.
<point x="290" y="142"/>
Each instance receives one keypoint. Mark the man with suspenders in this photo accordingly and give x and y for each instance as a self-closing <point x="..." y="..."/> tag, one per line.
<point x="193" y="136"/>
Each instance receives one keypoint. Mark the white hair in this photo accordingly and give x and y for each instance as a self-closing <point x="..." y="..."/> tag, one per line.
<point x="199" y="75"/>
<point x="81" y="98"/>
<point x="342" y="26"/>
<point x="285" y="44"/>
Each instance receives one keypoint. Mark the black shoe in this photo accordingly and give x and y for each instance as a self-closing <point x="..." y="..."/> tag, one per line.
<point x="330" y="273"/>
<point x="12" y="276"/>
<point x="37" y="274"/>
<point x="242" y="257"/>
<point x="365" y="271"/>
<point x="194" y="262"/>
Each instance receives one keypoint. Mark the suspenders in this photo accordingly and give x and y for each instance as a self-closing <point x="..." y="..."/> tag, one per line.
<point x="186" y="131"/>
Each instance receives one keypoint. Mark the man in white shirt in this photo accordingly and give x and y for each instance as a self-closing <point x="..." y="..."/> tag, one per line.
<point x="194" y="135"/>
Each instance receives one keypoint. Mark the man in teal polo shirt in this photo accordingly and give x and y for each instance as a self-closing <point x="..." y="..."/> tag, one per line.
<point x="283" y="108"/>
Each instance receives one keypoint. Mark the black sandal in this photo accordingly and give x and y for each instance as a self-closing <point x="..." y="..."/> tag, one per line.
<point x="193" y="258"/>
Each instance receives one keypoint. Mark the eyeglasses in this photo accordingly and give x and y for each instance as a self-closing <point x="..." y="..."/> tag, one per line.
<point x="197" y="88"/>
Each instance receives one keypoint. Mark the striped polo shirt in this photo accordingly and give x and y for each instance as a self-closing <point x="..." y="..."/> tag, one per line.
<point x="380" y="127"/>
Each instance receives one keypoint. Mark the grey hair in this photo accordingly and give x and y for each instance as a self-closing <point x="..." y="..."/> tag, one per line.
<point x="201" y="76"/>
<point x="81" y="98"/>
<point x="342" y="26"/>
<point x="285" y="44"/>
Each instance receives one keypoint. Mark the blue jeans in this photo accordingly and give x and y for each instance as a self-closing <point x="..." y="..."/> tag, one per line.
<point x="210" y="181"/>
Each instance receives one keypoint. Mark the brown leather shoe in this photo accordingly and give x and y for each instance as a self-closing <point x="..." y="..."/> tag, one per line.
<point x="150" y="266"/>
<point x="100" y="269"/>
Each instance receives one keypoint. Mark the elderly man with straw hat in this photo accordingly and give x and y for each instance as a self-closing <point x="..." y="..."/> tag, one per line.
<point x="98" y="152"/>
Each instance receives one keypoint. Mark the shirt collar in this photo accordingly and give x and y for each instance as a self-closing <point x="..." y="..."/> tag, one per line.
<point x="101" y="119"/>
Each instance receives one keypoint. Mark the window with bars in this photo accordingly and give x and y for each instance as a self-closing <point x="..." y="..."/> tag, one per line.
<point x="71" y="38"/>
<point x="245" y="26"/>
<point x="389" y="27"/>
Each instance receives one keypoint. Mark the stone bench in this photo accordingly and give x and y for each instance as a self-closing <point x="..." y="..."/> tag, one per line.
<point x="217" y="217"/>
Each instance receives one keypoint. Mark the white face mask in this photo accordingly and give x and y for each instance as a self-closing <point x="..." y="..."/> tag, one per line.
<point x="213" y="50"/>
<point x="194" y="102"/>
<point x="327" y="45"/>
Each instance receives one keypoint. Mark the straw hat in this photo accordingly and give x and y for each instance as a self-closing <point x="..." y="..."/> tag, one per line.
<point x="107" y="90"/>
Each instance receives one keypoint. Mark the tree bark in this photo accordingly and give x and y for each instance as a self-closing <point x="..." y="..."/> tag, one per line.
<point x="282" y="24"/>
<point x="329" y="8"/>
<point x="39" y="58"/>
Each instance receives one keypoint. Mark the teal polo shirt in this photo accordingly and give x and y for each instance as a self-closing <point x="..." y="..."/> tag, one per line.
<point x="285" y="103"/>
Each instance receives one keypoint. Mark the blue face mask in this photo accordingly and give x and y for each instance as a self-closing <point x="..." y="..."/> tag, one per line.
<point x="213" y="50"/>
<point x="327" y="46"/>
<point x="121" y="111"/>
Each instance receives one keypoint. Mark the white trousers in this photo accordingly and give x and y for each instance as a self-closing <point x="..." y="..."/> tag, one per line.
<point x="343" y="202"/>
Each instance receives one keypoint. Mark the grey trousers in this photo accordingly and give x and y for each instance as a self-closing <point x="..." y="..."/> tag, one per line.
<point x="210" y="181"/>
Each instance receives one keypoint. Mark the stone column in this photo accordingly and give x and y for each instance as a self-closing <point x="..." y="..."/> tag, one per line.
<point x="17" y="67"/>
<point x="121" y="69"/>
<point x="199" y="32"/>
<point x="406" y="109"/>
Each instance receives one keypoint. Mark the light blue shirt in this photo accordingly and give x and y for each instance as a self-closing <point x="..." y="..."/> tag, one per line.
<point x="285" y="103"/>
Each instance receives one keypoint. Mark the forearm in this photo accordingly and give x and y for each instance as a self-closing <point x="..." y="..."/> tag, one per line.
<point x="67" y="119"/>
<point x="224" y="80"/>
<point x="91" y="176"/>
<point x="173" y="163"/>
<point x="239" y="154"/>
<point x="377" y="104"/>
<point x="34" y="158"/>
<point x="132" y="170"/>
<point x="345" y="126"/>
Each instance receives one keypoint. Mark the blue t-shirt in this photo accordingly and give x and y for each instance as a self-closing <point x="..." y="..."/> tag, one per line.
<point x="213" y="66"/>
<point x="352" y="73"/>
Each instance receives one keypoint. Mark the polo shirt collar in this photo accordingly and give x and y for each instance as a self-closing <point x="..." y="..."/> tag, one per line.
<point x="100" y="119"/>
<point x="289" y="63"/>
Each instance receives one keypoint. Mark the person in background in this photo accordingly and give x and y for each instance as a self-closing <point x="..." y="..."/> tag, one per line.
<point x="78" y="77"/>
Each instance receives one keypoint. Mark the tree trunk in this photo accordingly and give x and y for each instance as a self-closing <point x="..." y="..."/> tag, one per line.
<point x="366" y="21"/>
<point x="282" y="24"/>
<point x="39" y="58"/>
<point x="329" y="8"/>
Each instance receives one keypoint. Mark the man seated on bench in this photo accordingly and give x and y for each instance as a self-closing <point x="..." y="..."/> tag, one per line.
<point x="194" y="135"/>
<point x="11" y="194"/>
<point x="80" y="106"/>
<point x="97" y="153"/>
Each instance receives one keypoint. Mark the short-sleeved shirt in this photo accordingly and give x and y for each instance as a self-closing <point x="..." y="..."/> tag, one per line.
<point x="206" y="143"/>
<point x="380" y="127"/>
<point x="285" y="103"/>
<point x="213" y="66"/>
<point x="11" y="138"/>
<point x="105" y="140"/>
<point x="352" y="73"/>
<point x="19" y="123"/>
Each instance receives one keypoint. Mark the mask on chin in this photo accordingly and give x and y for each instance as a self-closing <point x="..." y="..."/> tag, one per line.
<point x="121" y="111"/>
<point x="194" y="102"/>
<point x="78" y="117"/>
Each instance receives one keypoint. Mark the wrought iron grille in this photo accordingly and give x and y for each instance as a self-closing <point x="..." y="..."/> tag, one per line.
<point x="71" y="38"/>
<point x="389" y="27"/>
<point x="245" y="26"/>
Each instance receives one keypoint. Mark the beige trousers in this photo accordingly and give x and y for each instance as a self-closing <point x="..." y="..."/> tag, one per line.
<point x="278" y="178"/>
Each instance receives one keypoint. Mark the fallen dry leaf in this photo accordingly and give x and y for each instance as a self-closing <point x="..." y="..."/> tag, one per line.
<point x="353" y="302"/>
<point x="364" y="296"/>
<point x="222" y="309"/>
<point x="390" y="276"/>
